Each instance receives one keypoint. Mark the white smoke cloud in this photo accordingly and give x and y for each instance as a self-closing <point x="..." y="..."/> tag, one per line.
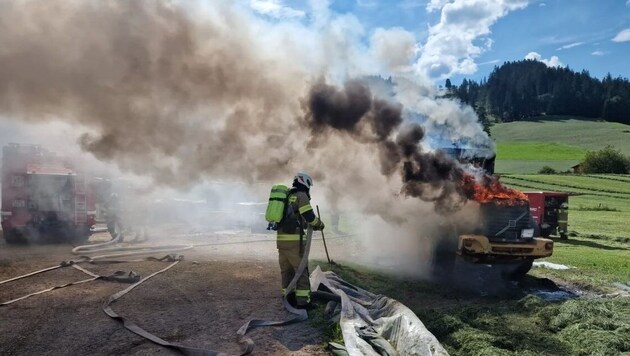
<point x="554" y="61"/>
<point x="197" y="91"/>
<point x="394" y="48"/>
<point x="454" y="43"/>
<point x="275" y="8"/>
<point x="622" y="36"/>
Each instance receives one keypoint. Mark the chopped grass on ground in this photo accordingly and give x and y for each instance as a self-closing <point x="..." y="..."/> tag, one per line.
<point x="468" y="325"/>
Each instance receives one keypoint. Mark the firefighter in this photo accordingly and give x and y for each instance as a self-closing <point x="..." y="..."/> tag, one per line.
<point x="563" y="220"/>
<point x="112" y="211"/>
<point x="291" y="238"/>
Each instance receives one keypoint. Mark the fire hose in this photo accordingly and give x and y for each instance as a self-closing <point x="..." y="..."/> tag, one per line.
<point x="246" y="342"/>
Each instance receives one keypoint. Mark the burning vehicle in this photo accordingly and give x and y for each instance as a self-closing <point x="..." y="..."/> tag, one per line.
<point x="506" y="233"/>
<point x="44" y="197"/>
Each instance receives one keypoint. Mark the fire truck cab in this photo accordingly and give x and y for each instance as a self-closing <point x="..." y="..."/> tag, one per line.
<point x="44" y="197"/>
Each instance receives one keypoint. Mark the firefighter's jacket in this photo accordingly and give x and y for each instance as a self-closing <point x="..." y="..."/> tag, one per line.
<point x="299" y="213"/>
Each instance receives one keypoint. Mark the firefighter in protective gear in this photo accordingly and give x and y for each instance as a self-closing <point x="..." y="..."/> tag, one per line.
<point x="112" y="211"/>
<point x="563" y="220"/>
<point x="291" y="237"/>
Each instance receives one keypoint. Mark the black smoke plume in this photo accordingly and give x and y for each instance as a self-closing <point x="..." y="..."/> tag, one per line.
<point x="353" y="110"/>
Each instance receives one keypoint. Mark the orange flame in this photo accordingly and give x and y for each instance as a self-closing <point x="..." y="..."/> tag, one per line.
<point x="491" y="190"/>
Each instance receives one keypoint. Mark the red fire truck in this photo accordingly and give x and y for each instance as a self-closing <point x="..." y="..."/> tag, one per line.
<point x="44" y="197"/>
<point x="551" y="212"/>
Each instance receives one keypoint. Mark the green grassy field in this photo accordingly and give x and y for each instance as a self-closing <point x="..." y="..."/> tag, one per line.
<point x="536" y="150"/>
<point x="580" y="133"/>
<point x="557" y="142"/>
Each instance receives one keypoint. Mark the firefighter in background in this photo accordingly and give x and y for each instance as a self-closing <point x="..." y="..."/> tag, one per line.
<point x="291" y="238"/>
<point x="112" y="216"/>
<point x="563" y="220"/>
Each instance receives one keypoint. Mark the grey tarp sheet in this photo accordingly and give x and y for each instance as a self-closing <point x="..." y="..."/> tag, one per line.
<point x="374" y="324"/>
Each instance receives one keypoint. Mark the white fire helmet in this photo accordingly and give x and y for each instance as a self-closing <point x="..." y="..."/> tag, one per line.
<point x="304" y="179"/>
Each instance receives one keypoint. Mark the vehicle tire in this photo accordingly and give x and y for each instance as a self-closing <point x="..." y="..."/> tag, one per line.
<point x="518" y="271"/>
<point x="545" y="230"/>
<point x="80" y="235"/>
<point x="14" y="237"/>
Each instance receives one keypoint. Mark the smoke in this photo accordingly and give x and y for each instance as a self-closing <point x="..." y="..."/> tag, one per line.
<point x="187" y="92"/>
<point x="151" y="83"/>
<point x="431" y="176"/>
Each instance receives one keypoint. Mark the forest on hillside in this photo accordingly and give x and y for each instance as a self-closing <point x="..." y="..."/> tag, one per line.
<point x="524" y="89"/>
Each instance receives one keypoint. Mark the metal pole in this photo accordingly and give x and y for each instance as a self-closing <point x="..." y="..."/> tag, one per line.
<point x="323" y="238"/>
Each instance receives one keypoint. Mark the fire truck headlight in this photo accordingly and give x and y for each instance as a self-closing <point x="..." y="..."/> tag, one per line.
<point x="527" y="233"/>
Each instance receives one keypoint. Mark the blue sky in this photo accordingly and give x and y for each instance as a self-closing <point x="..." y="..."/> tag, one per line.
<point x="467" y="38"/>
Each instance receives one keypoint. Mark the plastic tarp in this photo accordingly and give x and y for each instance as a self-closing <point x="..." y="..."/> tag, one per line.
<point x="374" y="324"/>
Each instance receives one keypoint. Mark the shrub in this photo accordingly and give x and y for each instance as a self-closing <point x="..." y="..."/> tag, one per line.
<point x="607" y="160"/>
<point x="547" y="170"/>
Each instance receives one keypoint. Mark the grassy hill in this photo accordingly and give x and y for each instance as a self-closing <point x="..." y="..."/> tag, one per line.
<point x="558" y="142"/>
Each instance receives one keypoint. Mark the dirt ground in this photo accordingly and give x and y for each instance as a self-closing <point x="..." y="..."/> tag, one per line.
<point x="201" y="302"/>
<point x="229" y="278"/>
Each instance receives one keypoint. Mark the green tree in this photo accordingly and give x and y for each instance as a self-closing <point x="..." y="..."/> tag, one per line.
<point x="547" y="170"/>
<point x="606" y="160"/>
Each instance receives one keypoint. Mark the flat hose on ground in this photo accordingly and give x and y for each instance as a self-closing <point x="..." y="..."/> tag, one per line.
<point x="123" y="251"/>
<point x="246" y="342"/>
<point x="300" y="314"/>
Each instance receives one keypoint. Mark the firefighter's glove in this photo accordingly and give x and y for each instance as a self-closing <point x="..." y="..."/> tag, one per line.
<point x="319" y="226"/>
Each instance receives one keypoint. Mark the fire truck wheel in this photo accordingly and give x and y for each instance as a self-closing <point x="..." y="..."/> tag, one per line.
<point x="13" y="236"/>
<point x="518" y="271"/>
<point x="80" y="236"/>
<point x="545" y="230"/>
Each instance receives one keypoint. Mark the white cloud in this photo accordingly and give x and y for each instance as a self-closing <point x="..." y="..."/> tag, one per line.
<point x="435" y="5"/>
<point x="598" y="53"/>
<point x="623" y="36"/>
<point x="570" y="45"/>
<point x="461" y="35"/>
<point x="542" y="4"/>
<point x="554" y="61"/>
<point x="275" y="8"/>
<point x="628" y="3"/>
